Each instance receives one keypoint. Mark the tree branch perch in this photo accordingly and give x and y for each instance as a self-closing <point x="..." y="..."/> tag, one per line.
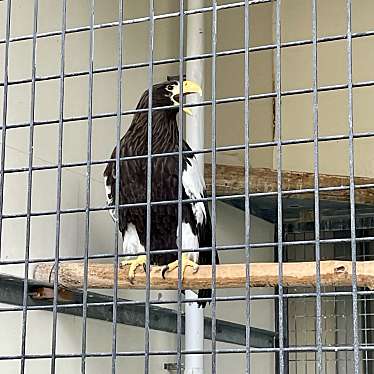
<point x="100" y="275"/>
<point x="230" y="180"/>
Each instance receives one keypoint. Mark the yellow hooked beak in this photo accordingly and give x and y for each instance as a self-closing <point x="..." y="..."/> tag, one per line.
<point x="189" y="87"/>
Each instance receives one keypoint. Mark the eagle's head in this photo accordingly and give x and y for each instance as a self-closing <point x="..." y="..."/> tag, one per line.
<point x="168" y="94"/>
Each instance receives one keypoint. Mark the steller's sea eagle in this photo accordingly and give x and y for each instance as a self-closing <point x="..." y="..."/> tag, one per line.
<point x="196" y="224"/>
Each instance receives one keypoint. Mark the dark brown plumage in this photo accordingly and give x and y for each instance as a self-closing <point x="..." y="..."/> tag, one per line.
<point x="133" y="177"/>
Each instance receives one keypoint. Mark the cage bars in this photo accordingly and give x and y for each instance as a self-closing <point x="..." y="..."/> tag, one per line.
<point x="88" y="185"/>
<point x="223" y="197"/>
<point x="279" y="226"/>
<point x="156" y="302"/>
<point x="149" y="180"/>
<point x="219" y="247"/>
<point x="208" y="150"/>
<point x="167" y="202"/>
<point x="247" y="212"/>
<point x="280" y="243"/>
<point x="352" y="190"/>
<point x="213" y="192"/>
<point x="5" y="112"/>
<point x="196" y="57"/>
<point x="188" y="12"/>
<point x="319" y="360"/>
<point x="117" y="182"/>
<point x="59" y="186"/>
<point x="220" y="351"/>
<point x="136" y="20"/>
<point x="233" y="99"/>
<point x="29" y="188"/>
<point x="129" y="313"/>
<point x="341" y="362"/>
<point x="180" y="190"/>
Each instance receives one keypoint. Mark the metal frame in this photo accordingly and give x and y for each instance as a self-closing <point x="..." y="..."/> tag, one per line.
<point x="100" y="307"/>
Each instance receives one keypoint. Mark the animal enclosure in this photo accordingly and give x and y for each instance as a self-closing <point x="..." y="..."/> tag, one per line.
<point x="282" y="135"/>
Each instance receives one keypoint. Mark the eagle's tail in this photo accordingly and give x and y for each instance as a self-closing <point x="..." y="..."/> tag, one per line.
<point x="204" y="294"/>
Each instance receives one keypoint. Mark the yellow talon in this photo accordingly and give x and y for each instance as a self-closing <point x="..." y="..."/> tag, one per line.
<point x="185" y="262"/>
<point x="134" y="264"/>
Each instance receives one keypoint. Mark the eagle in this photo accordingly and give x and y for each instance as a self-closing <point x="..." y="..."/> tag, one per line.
<point x="196" y="223"/>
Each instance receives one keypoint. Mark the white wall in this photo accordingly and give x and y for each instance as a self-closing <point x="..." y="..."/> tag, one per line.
<point x="230" y="83"/>
<point x="297" y="115"/>
<point x="230" y="221"/>
<point x="230" y="230"/>
<point x="297" y="122"/>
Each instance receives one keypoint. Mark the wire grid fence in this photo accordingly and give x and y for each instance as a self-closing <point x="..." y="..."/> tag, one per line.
<point x="336" y="312"/>
<point x="336" y="332"/>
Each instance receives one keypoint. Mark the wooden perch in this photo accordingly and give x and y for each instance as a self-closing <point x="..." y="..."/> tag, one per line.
<point x="230" y="181"/>
<point x="333" y="273"/>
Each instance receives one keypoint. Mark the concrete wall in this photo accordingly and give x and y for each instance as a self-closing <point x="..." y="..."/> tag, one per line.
<point x="297" y="115"/>
<point x="42" y="244"/>
<point x="297" y="122"/>
<point x="230" y="83"/>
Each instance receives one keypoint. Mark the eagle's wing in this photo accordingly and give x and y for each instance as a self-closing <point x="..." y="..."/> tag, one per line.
<point x="131" y="242"/>
<point x="196" y="232"/>
<point x="194" y="187"/>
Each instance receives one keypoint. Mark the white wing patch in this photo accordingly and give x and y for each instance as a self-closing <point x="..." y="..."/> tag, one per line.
<point x="109" y="198"/>
<point x="194" y="186"/>
<point x="131" y="242"/>
<point x="189" y="241"/>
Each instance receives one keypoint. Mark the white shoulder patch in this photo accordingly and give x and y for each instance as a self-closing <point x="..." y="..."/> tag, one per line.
<point x="131" y="242"/>
<point x="193" y="183"/>
<point x="109" y="198"/>
<point x="189" y="241"/>
<point x="108" y="191"/>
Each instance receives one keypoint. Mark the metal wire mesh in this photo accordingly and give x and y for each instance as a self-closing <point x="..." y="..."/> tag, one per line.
<point x="336" y="313"/>
<point x="320" y="329"/>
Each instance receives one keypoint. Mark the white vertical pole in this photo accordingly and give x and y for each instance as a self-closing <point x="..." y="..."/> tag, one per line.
<point x="194" y="316"/>
<point x="194" y="336"/>
<point x="195" y="71"/>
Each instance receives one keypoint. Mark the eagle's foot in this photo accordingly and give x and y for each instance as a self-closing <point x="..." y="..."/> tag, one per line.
<point x="134" y="264"/>
<point x="185" y="262"/>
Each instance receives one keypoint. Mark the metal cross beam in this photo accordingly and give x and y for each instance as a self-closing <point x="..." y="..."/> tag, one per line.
<point x="100" y="307"/>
